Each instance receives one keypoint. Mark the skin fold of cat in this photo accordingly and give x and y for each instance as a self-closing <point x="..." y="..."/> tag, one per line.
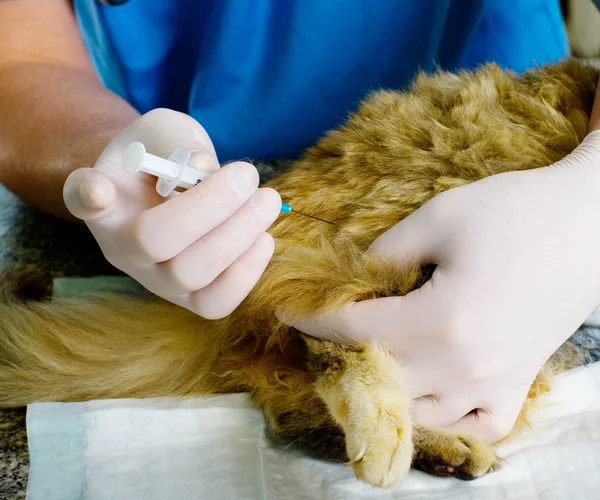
<point x="346" y="403"/>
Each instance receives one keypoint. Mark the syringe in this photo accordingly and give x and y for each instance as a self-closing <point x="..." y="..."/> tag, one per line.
<point x="172" y="173"/>
<point x="175" y="171"/>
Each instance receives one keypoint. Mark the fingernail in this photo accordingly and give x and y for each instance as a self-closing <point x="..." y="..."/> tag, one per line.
<point x="204" y="161"/>
<point x="263" y="204"/>
<point x="242" y="178"/>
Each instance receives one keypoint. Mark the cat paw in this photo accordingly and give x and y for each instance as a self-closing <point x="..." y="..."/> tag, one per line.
<point x="447" y="454"/>
<point x="379" y="446"/>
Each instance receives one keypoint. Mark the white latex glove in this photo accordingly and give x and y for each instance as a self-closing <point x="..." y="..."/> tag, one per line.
<point x="518" y="271"/>
<point x="203" y="249"/>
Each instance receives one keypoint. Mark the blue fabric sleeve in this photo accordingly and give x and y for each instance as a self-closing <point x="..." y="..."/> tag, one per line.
<point x="518" y="35"/>
<point x="267" y="78"/>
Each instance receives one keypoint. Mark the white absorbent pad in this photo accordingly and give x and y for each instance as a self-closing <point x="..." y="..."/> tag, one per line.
<point x="219" y="448"/>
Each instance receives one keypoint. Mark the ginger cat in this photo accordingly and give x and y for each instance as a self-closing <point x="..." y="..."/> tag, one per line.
<point x="348" y="404"/>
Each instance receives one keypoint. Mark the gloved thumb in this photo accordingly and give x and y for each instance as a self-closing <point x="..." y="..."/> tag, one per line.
<point x="414" y="239"/>
<point x="89" y="194"/>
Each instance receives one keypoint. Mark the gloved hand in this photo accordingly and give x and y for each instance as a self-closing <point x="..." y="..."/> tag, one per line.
<point x="518" y="271"/>
<point x="203" y="249"/>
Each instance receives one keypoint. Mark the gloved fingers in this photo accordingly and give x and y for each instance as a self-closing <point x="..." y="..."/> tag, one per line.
<point x="441" y="411"/>
<point x="586" y="153"/>
<point x="164" y="231"/>
<point x="89" y="194"/>
<point x="495" y="422"/>
<point x="399" y="322"/>
<point x="417" y="238"/>
<point x="202" y="262"/>
<point x="226" y="293"/>
<point x="161" y="131"/>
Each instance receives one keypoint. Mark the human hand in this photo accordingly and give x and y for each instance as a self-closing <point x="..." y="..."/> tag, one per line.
<point x="203" y="249"/>
<point x="518" y="271"/>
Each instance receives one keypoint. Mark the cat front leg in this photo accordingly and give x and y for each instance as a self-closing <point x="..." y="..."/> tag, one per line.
<point x="363" y="389"/>
<point x="284" y="390"/>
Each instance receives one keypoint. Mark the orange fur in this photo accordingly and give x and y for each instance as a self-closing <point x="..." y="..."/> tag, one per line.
<point x="394" y="154"/>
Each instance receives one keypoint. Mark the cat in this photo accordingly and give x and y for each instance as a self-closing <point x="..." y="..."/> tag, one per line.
<point x="347" y="403"/>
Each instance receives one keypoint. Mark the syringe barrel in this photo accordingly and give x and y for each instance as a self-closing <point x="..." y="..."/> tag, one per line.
<point x="159" y="167"/>
<point x="191" y="176"/>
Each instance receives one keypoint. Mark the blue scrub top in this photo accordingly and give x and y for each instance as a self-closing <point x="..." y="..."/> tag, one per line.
<point x="267" y="78"/>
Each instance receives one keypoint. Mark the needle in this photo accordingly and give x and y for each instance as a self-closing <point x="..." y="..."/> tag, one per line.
<point x="285" y="208"/>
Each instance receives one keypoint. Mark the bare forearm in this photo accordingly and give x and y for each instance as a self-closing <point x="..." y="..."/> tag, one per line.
<point x="594" y="123"/>
<point x="53" y="120"/>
